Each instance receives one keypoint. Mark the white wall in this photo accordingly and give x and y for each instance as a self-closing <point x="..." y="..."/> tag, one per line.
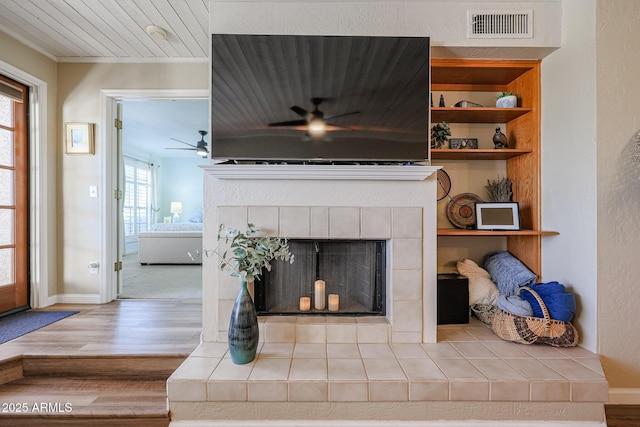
<point x="181" y="180"/>
<point x="569" y="163"/>
<point x="79" y="87"/>
<point x="618" y="187"/>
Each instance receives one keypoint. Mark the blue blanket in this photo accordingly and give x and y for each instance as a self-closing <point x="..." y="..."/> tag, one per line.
<point x="560" y="303"/>
<point x="514" y="304"/>
<point x="508" y="272"/>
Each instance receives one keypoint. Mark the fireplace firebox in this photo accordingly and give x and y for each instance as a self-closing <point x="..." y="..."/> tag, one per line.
<point x="328" y="277"/>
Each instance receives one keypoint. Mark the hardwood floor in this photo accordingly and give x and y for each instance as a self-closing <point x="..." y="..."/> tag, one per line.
<point x="623" y="415"/>
<point x="106" y="365"/>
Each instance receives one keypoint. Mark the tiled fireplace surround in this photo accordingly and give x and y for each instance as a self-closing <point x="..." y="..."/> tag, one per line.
<point x="399" y="367"/>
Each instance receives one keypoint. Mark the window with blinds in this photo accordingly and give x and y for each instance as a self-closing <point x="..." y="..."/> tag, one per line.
<point x="137" y="202"/>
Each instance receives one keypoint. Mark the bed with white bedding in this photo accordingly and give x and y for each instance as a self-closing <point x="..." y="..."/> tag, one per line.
<point x="171" y="244"/>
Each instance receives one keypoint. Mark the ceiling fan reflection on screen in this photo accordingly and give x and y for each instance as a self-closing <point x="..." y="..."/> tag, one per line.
<point x="200" y="148"/>
<point x="314" y="121"/>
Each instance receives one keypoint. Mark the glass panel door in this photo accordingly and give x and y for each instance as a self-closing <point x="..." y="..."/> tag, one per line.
<point x="14" y="286"/>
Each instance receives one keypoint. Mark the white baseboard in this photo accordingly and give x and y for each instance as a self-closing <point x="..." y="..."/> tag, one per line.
<point x="74" y="299"/>
<point x="624" y="396"/>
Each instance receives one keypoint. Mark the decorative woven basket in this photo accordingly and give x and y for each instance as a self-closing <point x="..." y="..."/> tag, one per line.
<point x="534" y="330"/>
<point x="484" y="312"/>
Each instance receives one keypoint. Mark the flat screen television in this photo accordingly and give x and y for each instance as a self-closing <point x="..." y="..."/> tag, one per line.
<point x="319" y="98"/>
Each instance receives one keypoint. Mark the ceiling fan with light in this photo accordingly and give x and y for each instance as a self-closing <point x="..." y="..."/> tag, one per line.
<point x="200" y="148"/>
<point x="314" y="121"/>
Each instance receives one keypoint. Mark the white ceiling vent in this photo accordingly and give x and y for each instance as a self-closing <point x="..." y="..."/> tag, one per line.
<point x="500" y="24"/>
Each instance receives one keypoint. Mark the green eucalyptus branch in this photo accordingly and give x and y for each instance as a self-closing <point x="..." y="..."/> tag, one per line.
<point x="246" y="256"/>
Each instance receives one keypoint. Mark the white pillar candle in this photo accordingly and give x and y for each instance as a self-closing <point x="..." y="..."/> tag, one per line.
<point x="319" y="301"/>
<point x="334" y="302"/>
<point x="305" y="303"/>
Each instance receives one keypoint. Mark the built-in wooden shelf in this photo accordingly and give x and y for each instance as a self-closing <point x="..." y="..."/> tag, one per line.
<point x="477" y="154"/>
<point x="464" y="232"/>
<point x="476" y="114"/>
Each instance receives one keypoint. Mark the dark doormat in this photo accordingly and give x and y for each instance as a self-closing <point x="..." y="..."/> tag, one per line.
<point x="16" y="325"/>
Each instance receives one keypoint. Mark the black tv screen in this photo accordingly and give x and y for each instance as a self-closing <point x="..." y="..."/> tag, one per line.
<point x="304" y="97"/>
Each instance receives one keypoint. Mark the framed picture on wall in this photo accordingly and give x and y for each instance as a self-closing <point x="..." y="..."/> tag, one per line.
<point x="79" y="138"/>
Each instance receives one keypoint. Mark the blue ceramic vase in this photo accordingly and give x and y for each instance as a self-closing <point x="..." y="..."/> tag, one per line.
<point x="243" y="328"/>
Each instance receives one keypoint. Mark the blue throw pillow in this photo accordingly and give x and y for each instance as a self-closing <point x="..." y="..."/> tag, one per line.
<point x="196" y="217"/>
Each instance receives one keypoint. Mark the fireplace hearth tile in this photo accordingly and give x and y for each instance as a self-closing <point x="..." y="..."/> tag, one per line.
<point x="383" y="369"/>
<point x="473" y="350"/>
<point x="458" y="369"/>
<point x="441" y="350"/>
<point x="426" y="391"/>
<point x="373" y="333"/>
<point x="308" y="369"/>
<point x="550" y="391"/>
<point x="277" y="350"/>
<point x="476" y="390"/>
<point x="346" y="369"/>
<point x="509" y="391"/>
<point x="589" y="391"/>
<point x="308" y="391"/>
<point x="305" y="350"/>
<point x="342" y="333"/>
<point x="311" y="333"/>
<point x="226" y="391"/>
<point x="270" y="370"/>
<point x="421" y="369"/>
<point x="188" y="390"/>
<point x="229" y="371"/>
<point x="409" y="350"/>
<point x="376" y="351"/>
<point x="267" y="391"/>
<point x="343" y="351"/>
<point x="348" y="392"/>
<point x="495" y="369"/>
<point x="278" y="332"/>
<point x="388" y="391"/>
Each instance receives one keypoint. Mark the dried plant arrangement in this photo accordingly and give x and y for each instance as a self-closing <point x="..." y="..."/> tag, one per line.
<point x="499" y="189"/>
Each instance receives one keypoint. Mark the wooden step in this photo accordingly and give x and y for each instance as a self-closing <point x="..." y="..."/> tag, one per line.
<point x="101" y="400"/>
<point x="73" y="390"/>
<point x="150" y="367"/>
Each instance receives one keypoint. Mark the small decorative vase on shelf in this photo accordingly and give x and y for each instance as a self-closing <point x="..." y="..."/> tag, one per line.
<point x="243" y="328"/>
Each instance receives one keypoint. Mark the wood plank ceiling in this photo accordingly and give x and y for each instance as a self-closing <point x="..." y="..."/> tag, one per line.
<point x="109" y="30"/>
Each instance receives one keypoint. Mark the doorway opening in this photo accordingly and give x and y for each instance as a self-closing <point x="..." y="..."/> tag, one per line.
<point x="147" y="175"/>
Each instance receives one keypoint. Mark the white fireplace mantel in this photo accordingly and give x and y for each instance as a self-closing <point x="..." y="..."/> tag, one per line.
<point x="321" y="172"/>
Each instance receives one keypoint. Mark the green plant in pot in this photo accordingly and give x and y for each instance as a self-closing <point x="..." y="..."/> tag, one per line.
<point x="440" y="133"/>
<point x="506" y="100"/>
<point x="245" y="257"/>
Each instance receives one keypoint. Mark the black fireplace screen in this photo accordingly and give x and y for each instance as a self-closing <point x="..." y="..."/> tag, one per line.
<point x="352" y="274"/>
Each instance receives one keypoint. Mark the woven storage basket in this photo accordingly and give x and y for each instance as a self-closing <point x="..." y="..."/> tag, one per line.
<point x="484" y="312"/>
<point x="534" y="330"/>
